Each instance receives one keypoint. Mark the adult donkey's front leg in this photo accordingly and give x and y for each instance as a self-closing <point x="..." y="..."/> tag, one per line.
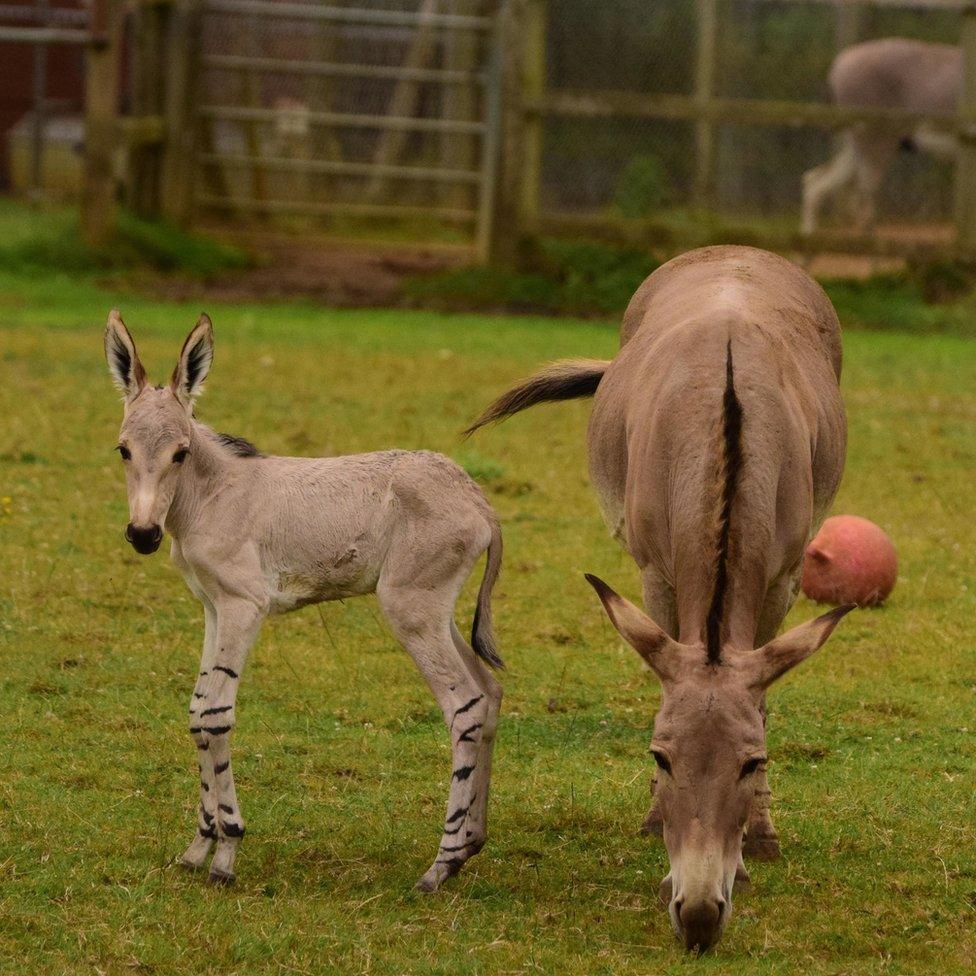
<point x="196" y="854"/>
<point x="238" y="623"/>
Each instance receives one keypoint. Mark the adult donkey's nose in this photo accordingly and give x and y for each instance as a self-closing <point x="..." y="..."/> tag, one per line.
<point x="144" y="538"/>
<point x="701" y="923"/>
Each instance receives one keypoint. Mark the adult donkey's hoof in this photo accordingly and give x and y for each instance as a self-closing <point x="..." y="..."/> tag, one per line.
<point x="764" y="847"/>
<point x="223" y="879"/>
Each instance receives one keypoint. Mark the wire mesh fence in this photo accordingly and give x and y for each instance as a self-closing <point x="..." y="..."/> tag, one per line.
<point x="681" y="170"/>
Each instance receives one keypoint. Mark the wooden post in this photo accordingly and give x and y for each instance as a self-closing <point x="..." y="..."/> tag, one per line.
<point x="182" y="46"/>
<point x="707" y="13"/>
<point x="403" y="101"/>
<point x="508" y="202"/>
<point x="966" y="164"/>
<point x="458" y="150"/>
<point x="850" y="23"/>
<point x="101" y="117"/>
<point x="533" y="92"/>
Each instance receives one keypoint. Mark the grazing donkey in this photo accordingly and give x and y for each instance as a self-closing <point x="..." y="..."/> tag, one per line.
<point x="894" y="72"/>
<point x="716" y="444"/>
<point x="254" y="535"/>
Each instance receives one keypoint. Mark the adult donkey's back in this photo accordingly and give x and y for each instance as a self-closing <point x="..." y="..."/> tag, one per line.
<point x="716" y="444"/>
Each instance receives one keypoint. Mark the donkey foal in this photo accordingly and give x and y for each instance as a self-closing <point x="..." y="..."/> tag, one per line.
<point x="254" y="535"/>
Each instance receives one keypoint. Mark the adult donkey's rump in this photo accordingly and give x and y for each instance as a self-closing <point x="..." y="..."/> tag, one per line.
<point x="254" y="535"/>
<point x="716" y="444"/>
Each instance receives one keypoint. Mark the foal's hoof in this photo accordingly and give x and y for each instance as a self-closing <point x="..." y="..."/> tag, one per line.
<point x="763" y="848"/>
<point x="743" y="883"/>
<point x="189" y="864"/>
<point x="222" y="878"/>
<point x="427" y="885"/>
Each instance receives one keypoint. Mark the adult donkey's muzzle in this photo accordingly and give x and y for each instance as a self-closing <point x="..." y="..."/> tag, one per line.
<point x="144" y="539"/>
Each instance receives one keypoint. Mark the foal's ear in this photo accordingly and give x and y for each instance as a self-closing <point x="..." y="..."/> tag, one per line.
<point x="773" y="660"/>
<point x="194" y="363"/>
<point x="657" y="648"/>
<point x="123" y="360"/>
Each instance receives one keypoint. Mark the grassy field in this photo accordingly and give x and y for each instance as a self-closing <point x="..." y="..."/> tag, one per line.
<point x="341" y="757"/>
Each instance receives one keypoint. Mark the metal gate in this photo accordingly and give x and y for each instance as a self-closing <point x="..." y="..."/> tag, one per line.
<point x="358" y="121"/>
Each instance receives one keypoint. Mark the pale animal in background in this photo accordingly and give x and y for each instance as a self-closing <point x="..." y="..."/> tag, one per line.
<point x="893" y="72"/>
<point x="254" y="535"/>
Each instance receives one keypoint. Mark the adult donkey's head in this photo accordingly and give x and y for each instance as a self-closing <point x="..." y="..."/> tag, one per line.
<point x="709" y="743"/>
<point x="155" y="437"/>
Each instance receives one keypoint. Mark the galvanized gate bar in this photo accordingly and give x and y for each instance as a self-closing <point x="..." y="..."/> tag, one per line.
<point x="347" y="15"/>
<point x="343" y="120"/>
<point x="328" y="69"/>
<point x="328" y="209"/>
<point x="340" y="168"/>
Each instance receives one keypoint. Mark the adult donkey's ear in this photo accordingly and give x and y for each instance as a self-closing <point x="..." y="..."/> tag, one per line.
<point x="123" y="360"/>
<point x="657" y="648"/>
<point x="195" y="360"/>
<point x="774" y="659"/>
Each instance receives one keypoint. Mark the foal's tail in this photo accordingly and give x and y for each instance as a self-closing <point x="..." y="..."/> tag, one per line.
<point x="567" y="379"/>
<point x="482" y="635"/>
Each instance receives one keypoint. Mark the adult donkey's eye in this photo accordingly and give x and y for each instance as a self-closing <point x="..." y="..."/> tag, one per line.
<point x="663" y="763"/>
<point x="125" y="452"/>
<point x="751" y="766"/>
<point x="180" y="456"/>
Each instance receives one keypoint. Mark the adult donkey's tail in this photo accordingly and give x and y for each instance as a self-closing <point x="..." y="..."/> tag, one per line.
<point x="482" y="634"/>
<point x="568" y="379"/>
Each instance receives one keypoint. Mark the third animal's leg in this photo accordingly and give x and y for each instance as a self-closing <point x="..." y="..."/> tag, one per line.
<point x="660" y="604"/>
<point x="421" y="620"/>
<point x="238" y="623"/>
<point x="476" y="827"/>
<point x="825" y="180"/>
<point x="196" y="854"/>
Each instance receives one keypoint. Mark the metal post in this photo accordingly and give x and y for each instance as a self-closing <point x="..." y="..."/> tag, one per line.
<point x="966" y="164"/>
<point x="707" y="12"/>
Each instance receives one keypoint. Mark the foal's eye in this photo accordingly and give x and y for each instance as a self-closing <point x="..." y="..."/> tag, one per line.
<point x="663" y="763"/>
<point x="180" y="456"/>
<point x="751" y="766"/>
<point x="124" y="452"/>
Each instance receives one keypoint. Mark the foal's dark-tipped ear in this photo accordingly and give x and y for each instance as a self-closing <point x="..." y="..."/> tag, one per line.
<point x="122" y="358"/>
<point x="194" y="363"/>
<point x="656" y="647"/>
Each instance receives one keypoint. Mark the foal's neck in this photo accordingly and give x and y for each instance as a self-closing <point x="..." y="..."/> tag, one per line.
<point x="207" y="468"/>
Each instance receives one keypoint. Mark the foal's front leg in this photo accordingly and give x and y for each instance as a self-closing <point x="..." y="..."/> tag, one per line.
<point x="238" y="623"/>
<point x="196" y="854"/>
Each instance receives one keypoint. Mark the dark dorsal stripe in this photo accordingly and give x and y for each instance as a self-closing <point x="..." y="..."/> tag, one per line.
<point x="732" y="450"/>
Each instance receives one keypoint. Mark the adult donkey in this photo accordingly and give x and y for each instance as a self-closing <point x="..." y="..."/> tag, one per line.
<point x="893" y="72"/>
<point x="254" y="535"/>
<point x="716" y="444"/>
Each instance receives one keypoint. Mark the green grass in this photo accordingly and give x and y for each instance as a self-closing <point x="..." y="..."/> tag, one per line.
<point x="341" y="757"/>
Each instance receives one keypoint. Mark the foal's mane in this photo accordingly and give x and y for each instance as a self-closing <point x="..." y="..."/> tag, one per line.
<point x="237" y="446"/>
<point x="730" y="466"/>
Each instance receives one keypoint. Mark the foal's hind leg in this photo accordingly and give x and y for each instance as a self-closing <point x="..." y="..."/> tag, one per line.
<point x="476" y="825"/>
<point x="421" y="620"/>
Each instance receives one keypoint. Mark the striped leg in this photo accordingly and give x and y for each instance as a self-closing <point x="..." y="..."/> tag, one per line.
<point x="238" y="623"/>
<point x="196" y="854"/>
<point x="424" y="631"/>
<point x="476" y="823"/>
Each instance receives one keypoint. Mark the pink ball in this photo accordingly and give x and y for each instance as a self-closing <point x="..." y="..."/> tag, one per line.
<point x="851" y="560"/>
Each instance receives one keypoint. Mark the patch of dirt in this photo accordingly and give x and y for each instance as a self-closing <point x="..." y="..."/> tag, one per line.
<point x="342" y="275"/>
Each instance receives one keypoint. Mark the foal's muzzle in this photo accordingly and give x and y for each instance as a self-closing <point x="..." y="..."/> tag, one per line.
<point x="144" y="539"/>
